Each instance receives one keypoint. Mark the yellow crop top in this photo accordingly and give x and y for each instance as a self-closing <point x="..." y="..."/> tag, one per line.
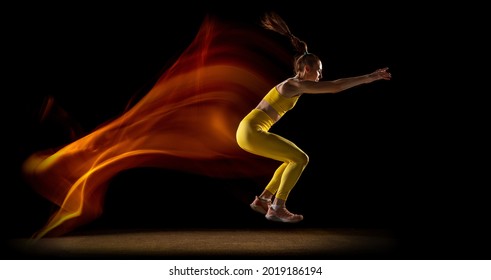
<point x="280" y="103"/>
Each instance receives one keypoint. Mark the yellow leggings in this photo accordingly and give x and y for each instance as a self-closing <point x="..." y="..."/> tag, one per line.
<point x="253" y="136"/>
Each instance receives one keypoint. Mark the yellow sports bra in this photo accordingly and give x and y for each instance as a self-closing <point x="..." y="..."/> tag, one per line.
<point x="280" y="103"/>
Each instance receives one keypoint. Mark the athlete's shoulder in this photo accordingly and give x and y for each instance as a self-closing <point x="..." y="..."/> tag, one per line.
<point x="289" y="87"/>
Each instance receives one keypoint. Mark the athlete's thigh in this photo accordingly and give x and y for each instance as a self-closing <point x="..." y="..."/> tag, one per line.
<point x="274" y="146"/>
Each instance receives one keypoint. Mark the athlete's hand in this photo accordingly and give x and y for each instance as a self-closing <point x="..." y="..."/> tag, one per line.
<point x="381" y="74"/>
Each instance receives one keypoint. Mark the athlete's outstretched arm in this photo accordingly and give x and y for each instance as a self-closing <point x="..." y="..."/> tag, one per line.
<point x="335" y="86"/>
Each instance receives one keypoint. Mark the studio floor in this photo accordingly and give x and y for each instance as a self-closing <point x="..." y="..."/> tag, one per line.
<point x="213" y="244"/>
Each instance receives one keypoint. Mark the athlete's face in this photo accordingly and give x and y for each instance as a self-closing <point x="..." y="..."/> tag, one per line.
<point x="314" y="73"/>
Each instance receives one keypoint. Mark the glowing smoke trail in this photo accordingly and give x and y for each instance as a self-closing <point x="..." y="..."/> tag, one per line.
<point x="186" y="122"/>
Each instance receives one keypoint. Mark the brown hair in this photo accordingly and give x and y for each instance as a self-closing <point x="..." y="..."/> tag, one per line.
<point x="272" y="21"/>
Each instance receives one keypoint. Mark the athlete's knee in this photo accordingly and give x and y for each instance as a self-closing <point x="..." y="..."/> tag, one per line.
<point x="301" y="159"/>
<point x="305" y="159"/>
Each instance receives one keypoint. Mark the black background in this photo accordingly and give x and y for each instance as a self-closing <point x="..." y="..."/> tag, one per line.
<point x="394" y="154"/>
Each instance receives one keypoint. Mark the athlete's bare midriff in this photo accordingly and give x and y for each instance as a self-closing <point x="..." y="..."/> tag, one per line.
<point x="270" y="111"/>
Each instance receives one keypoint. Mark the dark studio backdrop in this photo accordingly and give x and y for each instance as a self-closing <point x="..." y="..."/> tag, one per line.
<point x="380" y="153"/>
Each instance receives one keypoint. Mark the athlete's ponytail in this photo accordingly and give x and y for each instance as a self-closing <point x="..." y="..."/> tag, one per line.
<point x="272" y="21"/>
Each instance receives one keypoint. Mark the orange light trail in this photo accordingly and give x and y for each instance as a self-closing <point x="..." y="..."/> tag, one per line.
<point x="186" y="122"/>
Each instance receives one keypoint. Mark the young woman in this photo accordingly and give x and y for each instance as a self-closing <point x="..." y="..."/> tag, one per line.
<point x="253" y="131"/>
